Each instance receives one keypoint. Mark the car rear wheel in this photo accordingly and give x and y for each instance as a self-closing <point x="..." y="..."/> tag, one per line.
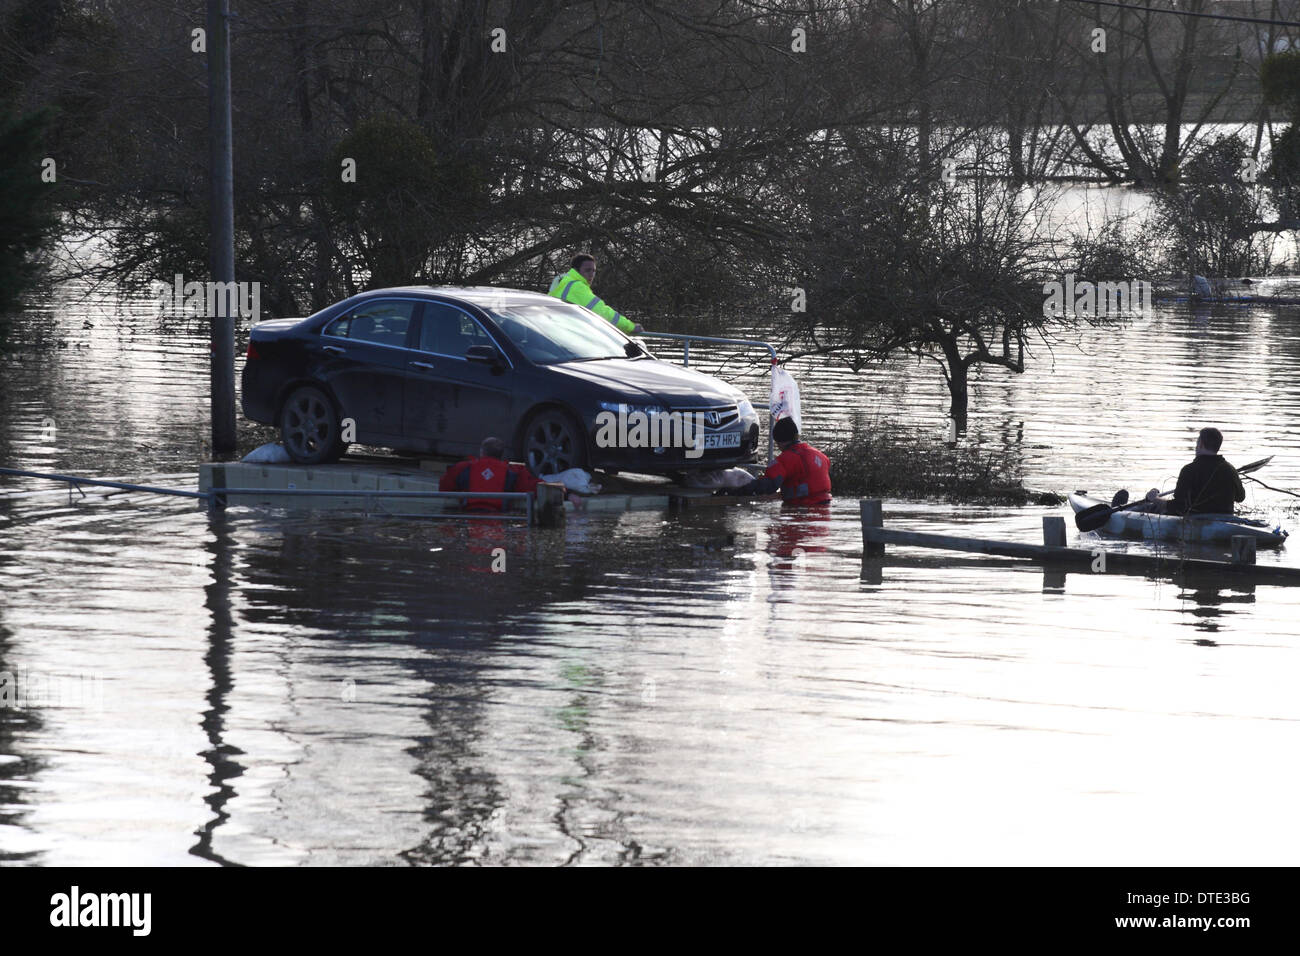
<point x="309" y="427"/>
<point x="553" y="442"/>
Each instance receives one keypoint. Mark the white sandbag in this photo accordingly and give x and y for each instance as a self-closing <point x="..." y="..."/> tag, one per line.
<point x="785" y="397"/>
<point x="703" y="479"/>
<point x="574" y="479"/>
<point x="736" y="477"/>
<point x="272" y="453"/>
<point x="719" y="478"/>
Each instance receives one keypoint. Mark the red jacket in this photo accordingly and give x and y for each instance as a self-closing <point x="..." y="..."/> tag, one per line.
<point x="805" y="475"/>
<point x="486" y="474"/>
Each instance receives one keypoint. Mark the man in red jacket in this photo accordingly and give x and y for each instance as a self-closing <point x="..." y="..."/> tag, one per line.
<point x="488" y="472"/>
<point x="801" y="473"/>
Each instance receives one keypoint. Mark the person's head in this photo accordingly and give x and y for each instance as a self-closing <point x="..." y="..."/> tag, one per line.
<point x="785" y="432"/>
<point x="1209" y="441"/>
<point x="492" y="448"/>
<point x="585" y="265"/>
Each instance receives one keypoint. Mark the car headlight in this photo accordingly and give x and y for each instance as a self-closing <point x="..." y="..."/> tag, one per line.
<point x="745" y="408"/>
<point x="626" y="409"/>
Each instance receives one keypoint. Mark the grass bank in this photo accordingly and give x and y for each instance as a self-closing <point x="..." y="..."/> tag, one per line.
<point x="887" y="461"/>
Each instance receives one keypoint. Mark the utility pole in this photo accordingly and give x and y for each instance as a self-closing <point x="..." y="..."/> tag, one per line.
<point x="221" y="249"/>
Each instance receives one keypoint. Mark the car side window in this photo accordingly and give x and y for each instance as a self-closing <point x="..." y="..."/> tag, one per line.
<point x="447" y="330"/>
<point x="383" y="323"/>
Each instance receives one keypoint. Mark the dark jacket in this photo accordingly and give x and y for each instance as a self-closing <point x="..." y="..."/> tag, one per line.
<point x="1209" y="485"/>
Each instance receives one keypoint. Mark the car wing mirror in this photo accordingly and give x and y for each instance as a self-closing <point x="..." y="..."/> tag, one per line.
<point x="487" y="354"/>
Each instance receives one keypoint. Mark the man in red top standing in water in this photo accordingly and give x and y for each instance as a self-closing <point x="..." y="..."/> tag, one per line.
<point x="488" y="472"/>
<point x="800" y="473"/>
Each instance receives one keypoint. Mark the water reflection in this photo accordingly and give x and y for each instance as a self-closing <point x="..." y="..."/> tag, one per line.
<point x="1207" y="602"/>
<point x="219" y="755"/>
<point x="18" y="721"/>
<point x="796" y="533"/>
<point x="712" y="685"/>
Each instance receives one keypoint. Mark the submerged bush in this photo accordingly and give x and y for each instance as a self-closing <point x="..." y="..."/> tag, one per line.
<point x="886" y="460"/>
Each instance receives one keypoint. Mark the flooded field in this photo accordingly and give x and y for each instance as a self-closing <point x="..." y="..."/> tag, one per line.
<point x="716" y="686"/>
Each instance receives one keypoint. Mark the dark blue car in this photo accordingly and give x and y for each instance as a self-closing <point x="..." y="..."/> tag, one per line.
<point x="435" y="370"/>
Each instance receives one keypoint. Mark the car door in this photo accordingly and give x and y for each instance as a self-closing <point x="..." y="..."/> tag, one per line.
<point x="364" y="361"/>
<point x="452" y="404"/>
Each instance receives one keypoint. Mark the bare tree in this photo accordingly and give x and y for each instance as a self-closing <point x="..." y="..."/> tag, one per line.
<point x="1142" y="63"/>
<point x="952" y="274"/>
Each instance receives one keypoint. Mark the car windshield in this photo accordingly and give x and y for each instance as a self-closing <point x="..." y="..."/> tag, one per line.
<point x="551" y="333"/>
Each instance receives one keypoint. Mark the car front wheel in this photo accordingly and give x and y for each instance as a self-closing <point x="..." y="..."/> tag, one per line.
<point x="309" y="427"/>
<point x="553" y="443"/>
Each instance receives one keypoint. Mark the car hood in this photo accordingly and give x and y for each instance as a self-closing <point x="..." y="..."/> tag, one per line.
<point x="668" y="384"/>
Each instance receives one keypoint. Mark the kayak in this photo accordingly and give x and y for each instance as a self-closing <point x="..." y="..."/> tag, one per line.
<point x="1196" y="529"/>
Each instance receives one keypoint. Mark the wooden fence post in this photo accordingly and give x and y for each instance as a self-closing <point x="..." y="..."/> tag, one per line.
<point x="872" y="517"/>
<point x="548" y="509"/>
<point x="1054" y="531"/>
<point x="217" y="502"/>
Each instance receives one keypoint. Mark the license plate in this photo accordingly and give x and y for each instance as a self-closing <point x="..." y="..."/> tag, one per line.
<point x="724" y="440"/>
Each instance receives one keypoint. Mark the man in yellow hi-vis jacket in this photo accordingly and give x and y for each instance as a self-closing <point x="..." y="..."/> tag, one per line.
<point x="575" y="286"/>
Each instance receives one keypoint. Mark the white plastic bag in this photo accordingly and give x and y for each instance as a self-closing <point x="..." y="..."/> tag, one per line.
<point x="720" y="478"/>
<point x="785" y="397"/>
<point x="574" y="479"/>
<point x="272" y="453"/>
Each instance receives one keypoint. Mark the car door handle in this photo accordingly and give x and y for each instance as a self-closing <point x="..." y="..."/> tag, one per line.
<point x="332" y="348"/>
<point x="427" y="365"/>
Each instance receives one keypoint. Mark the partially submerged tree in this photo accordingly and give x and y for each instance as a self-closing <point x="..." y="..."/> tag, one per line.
<point x="26" y="210"/>
<point x="1143" y="62"/>
<point x="1208" y="221"/>
<point x="940" y="272"/>
<point x="1280" y="78"/>
<point x="491" y="138"/>
<point x="402" y="204"/>
<point x="951" y="273"/>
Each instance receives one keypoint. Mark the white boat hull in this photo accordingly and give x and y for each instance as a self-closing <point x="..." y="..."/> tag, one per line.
<point x="1198" y="529"/>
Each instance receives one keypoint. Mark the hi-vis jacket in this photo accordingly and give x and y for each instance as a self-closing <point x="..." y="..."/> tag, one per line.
<point x="572" y="287"/>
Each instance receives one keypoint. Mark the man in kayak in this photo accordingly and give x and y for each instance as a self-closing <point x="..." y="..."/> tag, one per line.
<point x="801" y="473"/>
<point x="488" y="472"/>
<point x="575" y="286"/>
<point x="1209" y="485"/>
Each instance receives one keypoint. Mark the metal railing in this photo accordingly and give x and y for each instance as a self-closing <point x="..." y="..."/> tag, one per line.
<point x="219" y="495"/>
<point x="216" y="497"/>
<point x="75" y="481"/>
<point x="686" y="341"/>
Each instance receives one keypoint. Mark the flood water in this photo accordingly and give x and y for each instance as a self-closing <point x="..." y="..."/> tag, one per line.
<point x="717" y="686"/>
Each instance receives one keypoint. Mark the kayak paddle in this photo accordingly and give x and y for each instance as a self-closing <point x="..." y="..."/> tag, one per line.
<point x="1254" y="466"/>
<point x="1090" y="519"/>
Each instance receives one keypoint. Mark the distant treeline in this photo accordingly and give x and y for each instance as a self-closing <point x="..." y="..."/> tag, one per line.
<point x="821" y="165"/>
